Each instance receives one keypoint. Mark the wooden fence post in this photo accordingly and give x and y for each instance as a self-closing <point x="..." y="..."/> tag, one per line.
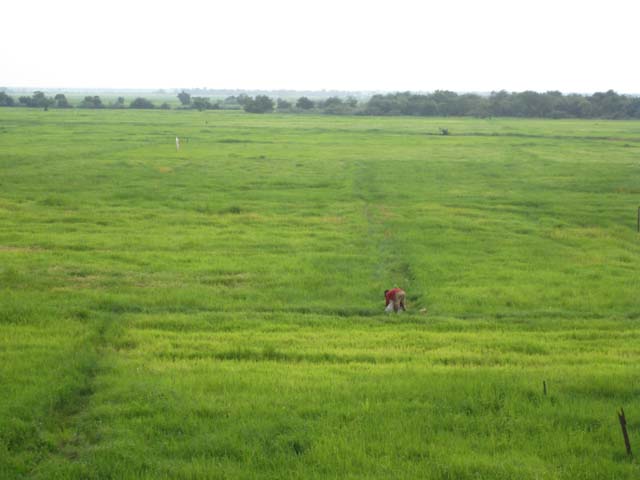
<point x="623" y="425"/>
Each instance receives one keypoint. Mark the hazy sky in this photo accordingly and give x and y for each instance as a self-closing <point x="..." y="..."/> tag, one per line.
<point x="465" y="45"/>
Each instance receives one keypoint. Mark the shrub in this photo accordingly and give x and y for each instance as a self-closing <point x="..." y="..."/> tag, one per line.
<point x="141" y="102"/>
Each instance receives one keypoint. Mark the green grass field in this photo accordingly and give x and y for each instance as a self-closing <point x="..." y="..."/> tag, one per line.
<point x="217" y="312"/>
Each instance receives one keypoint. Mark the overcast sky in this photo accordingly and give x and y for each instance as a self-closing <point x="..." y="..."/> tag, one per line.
<point x="465" y="45"/>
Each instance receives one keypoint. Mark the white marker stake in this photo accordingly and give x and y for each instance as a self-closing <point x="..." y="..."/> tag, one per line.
<point x="177" y="144"/>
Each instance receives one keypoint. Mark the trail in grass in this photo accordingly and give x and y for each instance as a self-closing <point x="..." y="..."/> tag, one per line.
<point x="69" y="431"/>
<point x="391" y="267"/>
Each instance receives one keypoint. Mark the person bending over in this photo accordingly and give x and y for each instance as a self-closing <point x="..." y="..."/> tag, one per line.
<point x="394" y="300"/>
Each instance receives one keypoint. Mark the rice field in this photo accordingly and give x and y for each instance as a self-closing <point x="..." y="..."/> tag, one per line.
<point x="217" y="312"/>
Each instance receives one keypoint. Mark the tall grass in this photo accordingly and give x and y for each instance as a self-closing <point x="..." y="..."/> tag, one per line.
<point x="217" y="312"/>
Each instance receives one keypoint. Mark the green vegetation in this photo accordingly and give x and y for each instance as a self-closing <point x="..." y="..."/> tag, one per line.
<point x="216" y="312"/>
<point x="141" y="103"/>
<point x="91" y="102"/>
<point x="504" y="104"/>
<point x="527" y="104"/>
<point x="260" y="104"/>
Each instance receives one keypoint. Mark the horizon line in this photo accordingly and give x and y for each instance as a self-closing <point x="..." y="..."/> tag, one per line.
<point x="308" y="90"/>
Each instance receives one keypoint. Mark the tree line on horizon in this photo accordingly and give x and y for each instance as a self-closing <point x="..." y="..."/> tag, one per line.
<point x="40" y="100"/>
<point x="441" y="103"/>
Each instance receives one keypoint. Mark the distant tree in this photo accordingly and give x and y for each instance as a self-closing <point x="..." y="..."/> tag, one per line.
<point x="500" y="104"/>
<point x="119" y="103"/>
<point x="37" y="100"/>
<point x="60" y="101"/>
<point x="633" y="108"/>
<point x="165" y="106"/>
<point x="232" y="102"/>
<point x="141" y="103"/>
<point x="422" y="105"/>
<point x="283" y="104"/>
<point x="382" y="105"/>
<point x="304" y="103"/>
<point x="554" y="105"/>
<point x="551" y="104"/>
<point x="260" y="104"/>
<point x="91" y="102"/>
<point x="242" y="99"/>
<point x="335" y="106"/>
<point x="608" y="104"/>
<point x="6" y="100"/>
<point x="185" y="98"/>
<point x="332" y="102"/>
<point x="446" y="102"/>
<point x="585" y="109"/>
<point x="200" y="103"/>
<point x="474" y="105"/>
<point x="530" y="104"/>
<point x="351" y="102"/>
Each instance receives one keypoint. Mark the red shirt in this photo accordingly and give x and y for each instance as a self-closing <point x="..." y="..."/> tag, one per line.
<point x="391" y="295"/>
